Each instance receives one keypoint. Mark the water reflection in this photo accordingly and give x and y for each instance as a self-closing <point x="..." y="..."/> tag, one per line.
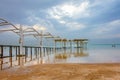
<point x="81" y="52"/>
<point x="97" y="54"/>
<point x="64" y="54"/>
<point x="81" y="55"/>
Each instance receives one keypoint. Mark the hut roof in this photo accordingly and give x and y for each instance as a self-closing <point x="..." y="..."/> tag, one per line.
<point x="80" y="40"/>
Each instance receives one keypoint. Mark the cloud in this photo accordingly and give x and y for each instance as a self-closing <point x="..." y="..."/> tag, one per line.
<point x="69" y="9"/>
<point x="63" y="13"/>
<point x="39" y="27"/>
<point x="73" y="26"/>
<point x="107" y="30"/>
<point x="97" y="17"/>
<point x="102" y="8"/>
<point x="108" y="27"/>
<point x="39" y="22"/>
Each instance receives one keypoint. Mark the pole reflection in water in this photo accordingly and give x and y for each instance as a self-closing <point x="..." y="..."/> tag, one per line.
<point x="66" y="52"/>
<point x="63" y="53"/>
<point x="80" y="52"/>
<point x="65" y="57"/>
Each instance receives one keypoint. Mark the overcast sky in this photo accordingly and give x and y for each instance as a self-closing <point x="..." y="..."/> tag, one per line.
<point x="92" y="19"/>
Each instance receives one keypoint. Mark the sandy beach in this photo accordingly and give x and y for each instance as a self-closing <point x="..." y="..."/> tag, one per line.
<point x="63" y="72"/>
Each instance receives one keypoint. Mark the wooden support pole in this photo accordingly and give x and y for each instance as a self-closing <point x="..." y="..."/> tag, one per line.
<point x="26" y="54"/>
<point x="40" y="52"/>
<point x="50" y="50"/>
<point x="10" y="54"/>
<point x="1" y="58"/>
<point x="35" y="52"/>
<point x="44" y="51"/>
<point x="18" y="55"/>
<point x="77" y="46"/>
<point x="47" y="49"/>
<point x="31" y="54"/>
<point x="81" y="51"/>
<point x="64" y="46"/>
<point x="70" y="46"/>
<point x="55" y="48"/>
<point x="16" y="51"/>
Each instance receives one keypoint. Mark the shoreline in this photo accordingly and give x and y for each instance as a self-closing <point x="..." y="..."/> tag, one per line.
<point x="69" y="71"/>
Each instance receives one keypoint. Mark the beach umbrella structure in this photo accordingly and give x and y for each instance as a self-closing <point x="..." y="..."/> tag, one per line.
<point x="40" y="34"/>
<point x="22" y="32"/>
<point x="80" y="45"/>
<point x="4" y="22"/>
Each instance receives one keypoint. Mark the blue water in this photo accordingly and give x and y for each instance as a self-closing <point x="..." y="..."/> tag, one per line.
<point x="95" y="53"/>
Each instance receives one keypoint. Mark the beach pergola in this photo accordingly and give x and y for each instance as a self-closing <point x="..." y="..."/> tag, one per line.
<point x="63" y="42"/>
<point x="52" y="37"/>
<point x="23" y="32"/>
<point x="80" y="43"/>
<point x="38" y="35"/>
<point x="10" y="27"/>
<point x="4" y="22"/>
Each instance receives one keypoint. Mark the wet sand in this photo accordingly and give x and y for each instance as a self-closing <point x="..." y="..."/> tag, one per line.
<point x="63" y="72"/>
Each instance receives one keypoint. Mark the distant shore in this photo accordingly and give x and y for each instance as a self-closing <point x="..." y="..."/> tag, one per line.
<point x="104" y="71"/>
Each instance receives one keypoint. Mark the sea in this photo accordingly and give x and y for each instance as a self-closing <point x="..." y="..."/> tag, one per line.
<point x="93" y="53"/>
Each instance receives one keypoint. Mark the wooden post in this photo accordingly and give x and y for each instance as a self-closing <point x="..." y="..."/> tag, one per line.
<point x="35" y="52"/>
<point x="55" y="48"/>
<point x="64" y="46"/>
<point x="81" y="51"/>
<point x="40" y="52"/>
<point x="18" y="55"/>
<point x="70" y="46"/>
<point x="16" y="52"/>
<point x="10" y="54"/>
<point x="50" y="50"/>
<point x="26" y="54"/>
<point x="47" y="49"/>
<point x="31" y="54"/>
<point x="1" y="57"/>
<point x="77" y="46"/>
<point x="44" y="51"/>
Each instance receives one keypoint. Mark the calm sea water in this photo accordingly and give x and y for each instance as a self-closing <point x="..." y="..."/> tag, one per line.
<point x="95" y="53"/>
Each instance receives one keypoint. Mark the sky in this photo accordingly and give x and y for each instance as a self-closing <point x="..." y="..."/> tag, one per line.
<point x="92" y="19"/>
